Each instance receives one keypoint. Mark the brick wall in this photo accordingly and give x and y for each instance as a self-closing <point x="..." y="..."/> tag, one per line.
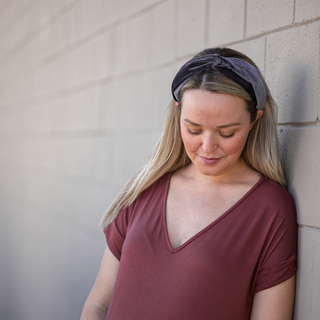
<point x="84" y="85"/>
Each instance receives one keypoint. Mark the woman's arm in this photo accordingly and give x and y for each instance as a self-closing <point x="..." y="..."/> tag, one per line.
<point x="98" y="300"/>
<point x="275" y="303"/>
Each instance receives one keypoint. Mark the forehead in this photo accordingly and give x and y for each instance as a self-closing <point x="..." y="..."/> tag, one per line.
<point x="206" y="105"/>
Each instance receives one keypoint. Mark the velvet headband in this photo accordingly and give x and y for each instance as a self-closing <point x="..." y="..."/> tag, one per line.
<point x="241" y="72"/>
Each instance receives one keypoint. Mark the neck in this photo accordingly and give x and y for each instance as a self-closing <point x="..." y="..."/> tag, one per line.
<point x="239" y="172"/>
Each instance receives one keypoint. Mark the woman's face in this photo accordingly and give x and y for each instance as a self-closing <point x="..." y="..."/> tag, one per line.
<point x="214" y="130"/>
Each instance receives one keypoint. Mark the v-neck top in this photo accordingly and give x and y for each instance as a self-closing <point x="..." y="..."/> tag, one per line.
<point x="214" y="274"/>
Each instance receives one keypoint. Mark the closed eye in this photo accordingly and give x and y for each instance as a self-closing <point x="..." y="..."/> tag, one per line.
<point x="226" y="136"/>
<point x="193" y="132"/>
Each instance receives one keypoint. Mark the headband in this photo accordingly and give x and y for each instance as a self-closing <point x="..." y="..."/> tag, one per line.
<point x="240" y="71"/>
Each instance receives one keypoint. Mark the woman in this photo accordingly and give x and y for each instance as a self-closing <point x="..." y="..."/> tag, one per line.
<point x="205" y="230"/>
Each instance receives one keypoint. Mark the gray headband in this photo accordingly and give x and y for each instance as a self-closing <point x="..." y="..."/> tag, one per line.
<point x="240" y="71"/>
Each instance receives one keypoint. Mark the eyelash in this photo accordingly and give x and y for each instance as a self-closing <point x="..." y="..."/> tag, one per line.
<point x="194" y="133"/>
<point x="223" y="136"/>
<point x="229" y="136"/>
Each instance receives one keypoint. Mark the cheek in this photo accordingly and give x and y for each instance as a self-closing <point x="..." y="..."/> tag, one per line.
<point x="236" y="146"/>
<point x="190" y="142"/>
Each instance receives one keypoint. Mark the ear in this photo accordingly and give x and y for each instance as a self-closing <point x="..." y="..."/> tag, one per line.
<point x="177" y="104"/>
<point x="259" y="114"/>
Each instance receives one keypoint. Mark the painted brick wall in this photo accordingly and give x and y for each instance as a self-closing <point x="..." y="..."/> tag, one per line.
<point x="84" y="85"/>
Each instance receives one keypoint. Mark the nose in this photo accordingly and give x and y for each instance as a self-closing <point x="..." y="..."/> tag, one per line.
<point x="209" y="143"/>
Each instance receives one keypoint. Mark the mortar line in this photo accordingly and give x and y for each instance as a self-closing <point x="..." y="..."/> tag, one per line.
<point x="284" y="28"/>
<point x="92" y="35"/>
<point x="93" y="83"/>
<point x="245" y="20"/>
<point x="116" y="23"/>
<point x="53" y="135"/>
<point x="308" y="226"/>
<point x="13" y="51"/>
<point x="265" y="58"/>
<point x="36" y="170"/>
<point x="56" y="95"/>
<point x="312" y="273"/>
<point x="294" y="11"/>
<point x="273" y="31"/>
<point x="318" y="114"/>
<point x="52" y="57"/>
<point x="18" y="16"/>
<point x="175" y="31"/>
<point x="69" y="48"/>
<point x="300" y="124"/>
<point x="47" y="173"/>
<point x="206" y="23"/>
<point x="144" y="10"/>
<point x="78" y="88"/>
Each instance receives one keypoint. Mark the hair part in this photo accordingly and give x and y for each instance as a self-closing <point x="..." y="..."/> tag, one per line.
<point x="261" y="151"/>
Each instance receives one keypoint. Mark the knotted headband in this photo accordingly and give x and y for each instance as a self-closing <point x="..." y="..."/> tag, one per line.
<point x="241" y="72"/>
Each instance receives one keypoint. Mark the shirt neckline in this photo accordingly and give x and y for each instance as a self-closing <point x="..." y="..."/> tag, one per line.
<point x="209" y="226"/>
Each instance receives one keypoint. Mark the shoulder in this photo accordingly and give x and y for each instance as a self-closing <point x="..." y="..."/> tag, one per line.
<point x="273" y="194"/>
<point x="151" y="198"/>
<point x="156" y="189"/>
<point x="273" y="202"/>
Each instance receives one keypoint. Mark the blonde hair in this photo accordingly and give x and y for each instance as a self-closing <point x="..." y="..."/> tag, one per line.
<point x="261" y="151"/>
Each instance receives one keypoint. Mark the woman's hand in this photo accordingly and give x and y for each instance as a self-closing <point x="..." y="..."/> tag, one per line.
<point x="275" y="303"/>
<point x="98" y="300"/>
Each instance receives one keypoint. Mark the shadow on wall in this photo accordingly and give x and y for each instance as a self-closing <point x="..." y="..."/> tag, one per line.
<point x="290" y="138"/>
<point x="293" y="146"/>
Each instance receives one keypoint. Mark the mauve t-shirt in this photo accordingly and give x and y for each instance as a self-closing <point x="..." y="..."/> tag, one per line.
<point x="217" y="272"/>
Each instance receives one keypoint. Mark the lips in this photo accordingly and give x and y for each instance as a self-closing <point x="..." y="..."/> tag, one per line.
<point x="209" y="161"/>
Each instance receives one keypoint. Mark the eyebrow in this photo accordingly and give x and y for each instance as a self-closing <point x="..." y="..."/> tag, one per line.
<point x="223" y="126"/>
<point x="189" y="121"/>
<point x="230" y="125"/>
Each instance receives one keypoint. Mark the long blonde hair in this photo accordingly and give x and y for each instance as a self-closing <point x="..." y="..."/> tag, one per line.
<point x="261" y="151"/>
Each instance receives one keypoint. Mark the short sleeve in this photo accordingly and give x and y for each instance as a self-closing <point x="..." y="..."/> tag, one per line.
<point x="116" y="231"/>
<point x="279" y="258"/>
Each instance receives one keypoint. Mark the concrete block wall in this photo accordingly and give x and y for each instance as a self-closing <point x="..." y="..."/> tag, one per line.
<point x="84" y="85"/>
